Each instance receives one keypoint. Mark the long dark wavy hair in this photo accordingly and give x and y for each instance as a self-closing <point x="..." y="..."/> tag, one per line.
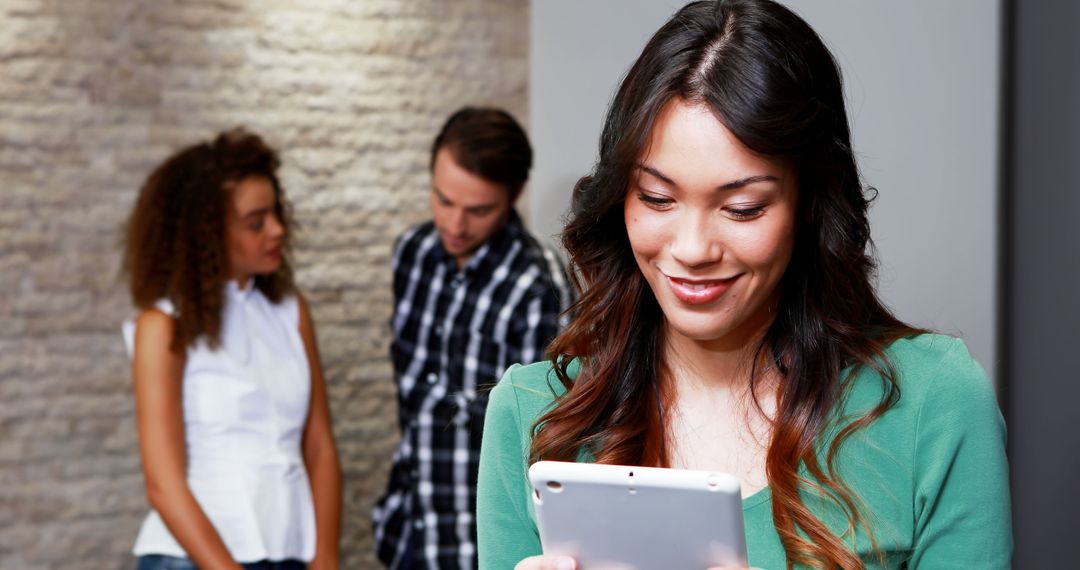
<point x="174" y="246"/>
<point x="767" y="76"/>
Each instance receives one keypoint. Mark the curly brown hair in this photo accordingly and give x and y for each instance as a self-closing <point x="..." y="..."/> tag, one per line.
<point x="174" y="246"/>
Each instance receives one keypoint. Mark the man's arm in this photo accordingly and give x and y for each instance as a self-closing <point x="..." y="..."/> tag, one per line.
<point x="534" y="327"/>
<point x="542" y="313"/>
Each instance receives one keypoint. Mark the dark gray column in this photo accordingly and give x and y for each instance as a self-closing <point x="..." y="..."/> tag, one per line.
<point x="1041" y="328"/>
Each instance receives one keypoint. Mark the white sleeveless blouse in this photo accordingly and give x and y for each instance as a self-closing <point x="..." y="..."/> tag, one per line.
<point x="245" y="407"/>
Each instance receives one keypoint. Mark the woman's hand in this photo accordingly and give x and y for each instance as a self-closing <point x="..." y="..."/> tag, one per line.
<point x="547" y="562"/>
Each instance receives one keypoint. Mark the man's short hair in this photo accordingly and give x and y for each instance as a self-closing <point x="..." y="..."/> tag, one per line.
<point x="489" y="143"/>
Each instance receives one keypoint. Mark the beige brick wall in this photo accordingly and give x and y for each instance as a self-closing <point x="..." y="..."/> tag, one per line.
<point x="93" y="94"/>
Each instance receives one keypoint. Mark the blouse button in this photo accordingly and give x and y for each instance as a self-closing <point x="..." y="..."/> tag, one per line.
<point x="432" y="378"/>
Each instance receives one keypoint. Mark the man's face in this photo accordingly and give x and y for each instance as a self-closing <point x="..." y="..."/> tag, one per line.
<point x="468" y="209"/>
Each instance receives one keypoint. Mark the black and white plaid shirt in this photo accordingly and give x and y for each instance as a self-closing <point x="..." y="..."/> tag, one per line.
<point x="455" y="333"/>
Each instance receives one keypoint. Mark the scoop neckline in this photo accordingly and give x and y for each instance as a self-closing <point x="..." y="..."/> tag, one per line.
<point x="757" y="498"/>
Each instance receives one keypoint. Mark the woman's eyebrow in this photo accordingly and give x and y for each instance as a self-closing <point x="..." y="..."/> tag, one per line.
<point x="258" y="212"/>
<point x="748" y="181"/>
<point x="663" y="177"/>
<point x="734" y="184"/>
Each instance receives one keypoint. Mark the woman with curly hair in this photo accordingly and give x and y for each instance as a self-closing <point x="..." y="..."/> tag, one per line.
<point x="234" y="427"/>
<point x="727" y="321"/>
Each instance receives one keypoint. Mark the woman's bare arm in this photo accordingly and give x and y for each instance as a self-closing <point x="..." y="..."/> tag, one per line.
<point x="321" y="456"/>
<point x="158" y="373"/>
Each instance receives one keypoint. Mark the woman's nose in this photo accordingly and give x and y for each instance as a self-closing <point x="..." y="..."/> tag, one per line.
<point x="696" y="241"/>
<point x="274" y="226"/>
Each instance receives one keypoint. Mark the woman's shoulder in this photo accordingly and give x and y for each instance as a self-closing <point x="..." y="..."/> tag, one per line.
<point x="158" y="318"/>
<point x="536" y="381"/>
<point x="529" y="389"/>
<point x="930" y="345"/>
<point x="937" y="363"/>
<point x="163" y="305"/>
<point x="932" y="370"/>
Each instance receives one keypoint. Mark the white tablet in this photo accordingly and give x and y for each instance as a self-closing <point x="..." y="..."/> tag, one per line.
<point x="611" y="517"/>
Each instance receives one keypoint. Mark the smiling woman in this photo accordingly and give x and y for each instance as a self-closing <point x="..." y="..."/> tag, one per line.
<point x="711" y="225"/>
<point x="727" y="321"/>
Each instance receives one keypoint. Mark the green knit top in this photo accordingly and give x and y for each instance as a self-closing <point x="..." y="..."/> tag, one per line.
<point x="931" y="474"/>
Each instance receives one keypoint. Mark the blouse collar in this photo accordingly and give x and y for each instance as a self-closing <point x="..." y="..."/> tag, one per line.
<point x="233" y="330"/>
<point x="234" y="291"/>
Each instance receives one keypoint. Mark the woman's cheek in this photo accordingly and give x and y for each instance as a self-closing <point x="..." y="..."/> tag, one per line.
<point x="647" y="230"/>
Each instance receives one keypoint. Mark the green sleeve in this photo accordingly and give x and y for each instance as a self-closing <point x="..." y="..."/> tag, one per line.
<point x="505" y="530"/>
<point x="961" y="500"/>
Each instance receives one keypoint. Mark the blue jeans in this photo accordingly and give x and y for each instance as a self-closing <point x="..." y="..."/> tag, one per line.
<point x="160" y="562"/>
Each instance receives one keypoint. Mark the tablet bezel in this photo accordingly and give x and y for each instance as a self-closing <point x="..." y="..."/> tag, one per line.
<point x="623" y="517"/>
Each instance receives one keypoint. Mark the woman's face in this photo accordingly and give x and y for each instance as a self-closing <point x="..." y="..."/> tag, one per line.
<point x="254" y="236"/>
<point x="711" y="225"/>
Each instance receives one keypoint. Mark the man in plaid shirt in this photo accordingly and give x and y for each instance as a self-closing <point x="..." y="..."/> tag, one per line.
<point x="474" y="292"/>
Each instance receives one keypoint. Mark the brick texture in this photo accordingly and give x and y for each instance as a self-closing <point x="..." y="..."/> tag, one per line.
<point x="93" y="94"/>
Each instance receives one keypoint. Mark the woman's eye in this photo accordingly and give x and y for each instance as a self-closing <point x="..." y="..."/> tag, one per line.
<point x="654" y="201"/>
<point x="745" y="213"/>
<point x="256" y="226"/>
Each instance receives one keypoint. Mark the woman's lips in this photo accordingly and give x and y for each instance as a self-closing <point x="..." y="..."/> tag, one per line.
<point x="699" y="291"/>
